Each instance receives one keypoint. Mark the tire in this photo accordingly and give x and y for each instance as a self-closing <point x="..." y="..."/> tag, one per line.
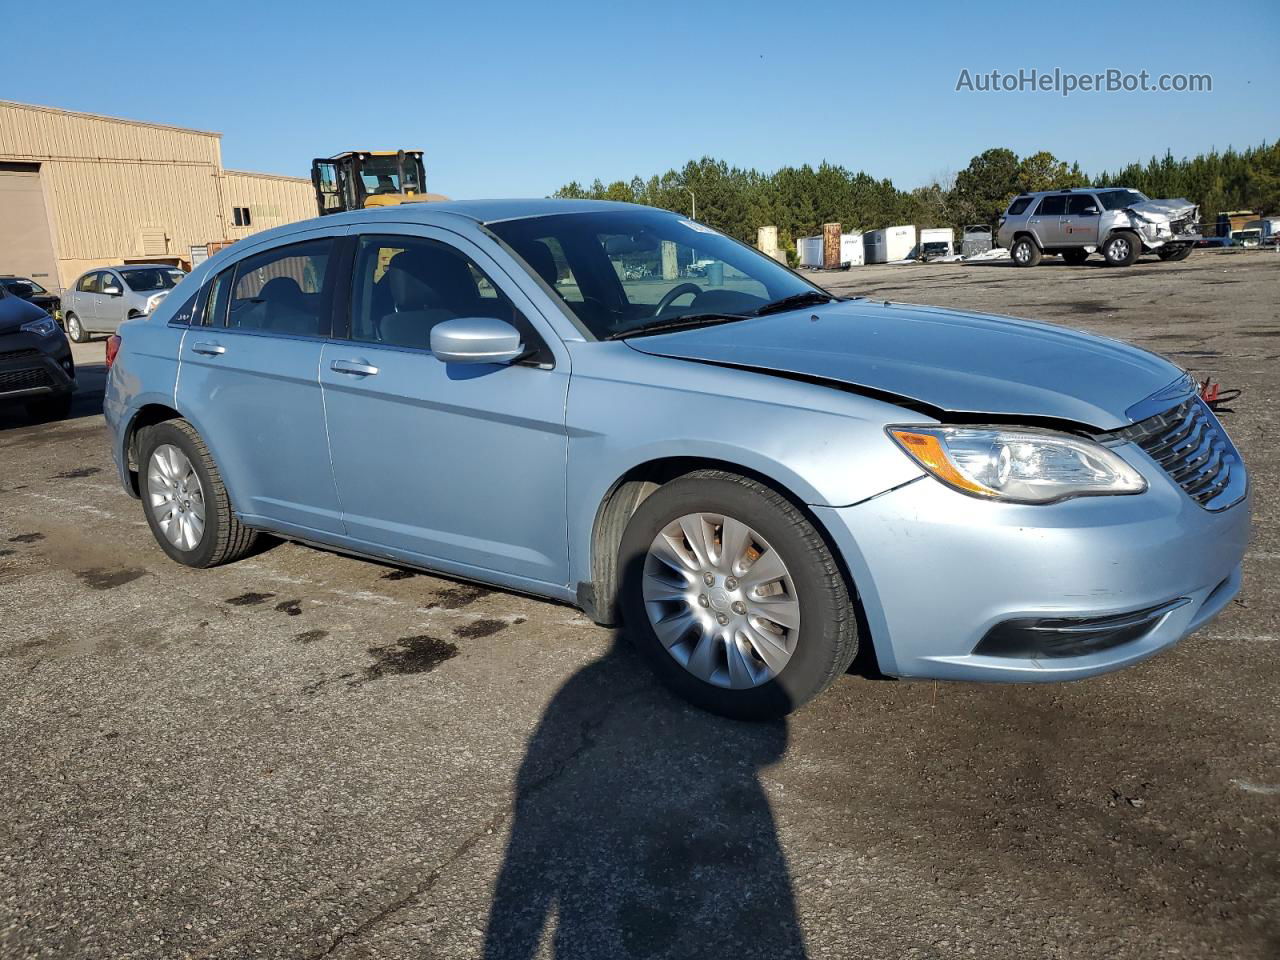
<point x="1075" y="256"/>
<point x="223" y="538"/>
<point x="1025" y="252"/>
<point x="75" y="330"/>
<point x="812" y="594"/>
<point x="1175" y="254"/>
<point x="1122" y="249"/>
<point x="50" y="408"/>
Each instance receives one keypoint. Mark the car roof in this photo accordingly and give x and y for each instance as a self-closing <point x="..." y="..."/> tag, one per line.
<point x="1049" y="193"/>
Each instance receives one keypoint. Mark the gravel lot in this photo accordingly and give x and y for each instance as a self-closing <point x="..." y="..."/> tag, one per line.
<point x="305" y="755"/>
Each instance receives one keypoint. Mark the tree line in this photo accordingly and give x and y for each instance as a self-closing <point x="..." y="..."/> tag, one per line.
<point x="798" y="200"/>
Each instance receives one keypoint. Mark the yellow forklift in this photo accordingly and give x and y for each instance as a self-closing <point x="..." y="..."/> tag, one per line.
<point x="368" y="178"/>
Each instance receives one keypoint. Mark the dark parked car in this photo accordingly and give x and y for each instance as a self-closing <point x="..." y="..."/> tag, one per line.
<point x="35" y="358"/>
<point x="28" y="289"/>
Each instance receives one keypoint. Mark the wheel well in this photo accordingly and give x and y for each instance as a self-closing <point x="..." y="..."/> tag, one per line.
<point x="1028" y="234"/>
<point x="147" y="416"/>
<point x="599" y="599"/>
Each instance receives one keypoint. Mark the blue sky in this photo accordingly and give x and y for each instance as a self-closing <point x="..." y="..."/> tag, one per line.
<point x="515" y="99"/>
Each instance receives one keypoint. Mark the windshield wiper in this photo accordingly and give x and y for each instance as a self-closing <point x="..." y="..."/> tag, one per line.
<point x="793" y="301"/>
<point x="686" y="322"/>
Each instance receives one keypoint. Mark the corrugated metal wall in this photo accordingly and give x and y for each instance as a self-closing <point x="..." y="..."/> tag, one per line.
<point x="109" y="181"/>
<point x="272" y="200"/>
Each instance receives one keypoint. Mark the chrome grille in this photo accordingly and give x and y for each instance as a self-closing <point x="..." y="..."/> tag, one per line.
<point x="1189" y="443"/>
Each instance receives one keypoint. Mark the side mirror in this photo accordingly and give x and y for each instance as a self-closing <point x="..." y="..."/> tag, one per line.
<point x="113" y="291"/>
<point x="1090" y="211"/>
<point x="476" y="340"/>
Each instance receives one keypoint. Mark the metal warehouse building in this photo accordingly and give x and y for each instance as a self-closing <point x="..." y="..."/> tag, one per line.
<point x="80" y="191"/>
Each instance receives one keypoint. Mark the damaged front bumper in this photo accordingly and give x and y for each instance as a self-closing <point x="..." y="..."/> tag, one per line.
<point x="1161" y="222"/>
<point x="962" y="589"/>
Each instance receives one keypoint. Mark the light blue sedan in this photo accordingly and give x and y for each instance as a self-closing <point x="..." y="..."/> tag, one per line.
<point x="622" y="409"/>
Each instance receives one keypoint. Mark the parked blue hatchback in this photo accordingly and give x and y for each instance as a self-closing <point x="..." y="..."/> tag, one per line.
<point x="626" y="410"/>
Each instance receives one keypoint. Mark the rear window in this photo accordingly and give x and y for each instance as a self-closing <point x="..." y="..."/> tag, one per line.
<point x="1054" y="206"/>
<point x="1019" y="205"/>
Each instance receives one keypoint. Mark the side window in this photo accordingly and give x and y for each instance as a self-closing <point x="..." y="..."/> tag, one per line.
<point x="215" y="306"/>
<point x="404" y="286"/>
<point x="1078" y="203"/>
<point x="1053" y="206"/>
<point x="185" y="312"/>
<point x="1019" y="205"/>
<point x="283" y="290"/>
<point x="88" y="283"/>
<point x="109" y="281"/>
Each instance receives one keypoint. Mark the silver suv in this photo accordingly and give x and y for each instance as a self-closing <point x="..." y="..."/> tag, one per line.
<point x="1118" y="222"/>
<point x="102" y="299"/>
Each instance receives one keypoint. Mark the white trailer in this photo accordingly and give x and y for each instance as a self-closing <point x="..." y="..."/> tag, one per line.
<point x="936" y="243"/>
<point x="809" y="250"/>
<point x="852" y="251"/>
<point x="889" y="244"/>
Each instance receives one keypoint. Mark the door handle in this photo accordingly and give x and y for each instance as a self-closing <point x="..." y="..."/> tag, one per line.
<point x="208" y="349"/>
<point x="359" y="368"/>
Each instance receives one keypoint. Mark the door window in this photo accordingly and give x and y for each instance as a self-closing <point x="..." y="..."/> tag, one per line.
<point x="215" y="305"/>
<point x="1081" y="205"/>
<point x="110" y="283"/>
<point x="88" y="283"/>
<point x="403" y="286"/>
<point x="283" y="290"/>
<point x="1053" y="206"/>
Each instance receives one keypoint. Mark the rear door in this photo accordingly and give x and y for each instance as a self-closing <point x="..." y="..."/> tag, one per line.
<point x="248" y="380"/>
<point x="1080" y="222"/>
<point x="84" y="300"/>
<point x="462" y="465"/>
<point x="1046" y="220"/>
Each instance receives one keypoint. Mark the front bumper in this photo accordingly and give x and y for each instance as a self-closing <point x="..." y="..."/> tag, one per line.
<point x="32" y="366"/>
<point x="937" y="571"/>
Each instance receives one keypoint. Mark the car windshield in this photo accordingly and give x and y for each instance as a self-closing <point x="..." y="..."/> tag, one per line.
<point x="625" y="271"/>
<point x="12" y="282"/>
<point x="1119" y="199"/>
<point x="153" y="278"/>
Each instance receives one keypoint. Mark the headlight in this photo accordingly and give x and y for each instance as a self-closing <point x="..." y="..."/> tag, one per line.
<point x="1018" y="465"/>
<point x="44" y="327"/>
<point x="153" y="301"/>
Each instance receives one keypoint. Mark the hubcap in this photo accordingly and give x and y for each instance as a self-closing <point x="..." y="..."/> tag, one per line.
<point x="75" y="327"/>
<point x="1119" y="249"/>
<point x="176" y="497"/>
<point x="1024" y="252"/>
<point x="721" y="600"/>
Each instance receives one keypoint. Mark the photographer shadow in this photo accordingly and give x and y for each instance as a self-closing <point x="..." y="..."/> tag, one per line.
<point x="642" y="829"/>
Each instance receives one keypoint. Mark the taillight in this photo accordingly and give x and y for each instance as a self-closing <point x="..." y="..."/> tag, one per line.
<point x="113" y="347"/>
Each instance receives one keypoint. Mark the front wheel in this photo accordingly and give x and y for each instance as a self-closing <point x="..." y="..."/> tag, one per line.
<point x="1025" y="252"/>
<point x="1122" y="249"/>
<point x="184" y="499"/>
<point x="733" y="597"/>
<point x="76" y="330"/>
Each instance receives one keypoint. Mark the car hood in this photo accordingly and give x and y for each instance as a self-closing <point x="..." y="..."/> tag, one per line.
<point x="954" y="362"/>
<point x="14" y="312"/>
<point x="1164" y="209"/>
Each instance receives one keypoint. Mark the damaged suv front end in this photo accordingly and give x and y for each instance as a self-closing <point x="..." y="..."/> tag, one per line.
<point x="1163" y="225"/>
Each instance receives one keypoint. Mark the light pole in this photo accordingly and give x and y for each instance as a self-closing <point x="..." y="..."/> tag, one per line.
<point x="694" y="198"/>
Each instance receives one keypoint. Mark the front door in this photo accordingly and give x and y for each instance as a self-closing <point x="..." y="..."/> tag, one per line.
<point x="111" y="302"/>
<point x="248" y="381"/>
<point x="462" y="465"/>
<point x="1080" y="223"/>
<point x="1046" y="222"/>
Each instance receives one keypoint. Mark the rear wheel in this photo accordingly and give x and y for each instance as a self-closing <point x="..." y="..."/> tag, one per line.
<point x="1122" y="249"/>
<point x="1075" y="257"/>
<point x="733" y="596"/>
<point x="1025" y="252"/>
<point x="185" y="502"/>
<point x="75" y="330"/>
